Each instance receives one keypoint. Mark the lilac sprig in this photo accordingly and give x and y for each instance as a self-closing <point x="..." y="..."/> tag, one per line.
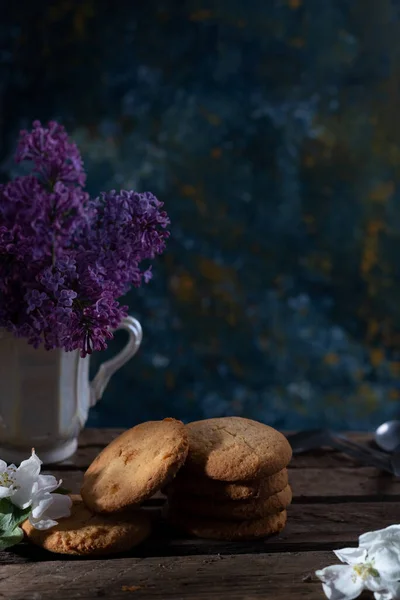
<point x="127" y="228"/>
<point x="54" y="156"/>
<point x="65" y="258"/>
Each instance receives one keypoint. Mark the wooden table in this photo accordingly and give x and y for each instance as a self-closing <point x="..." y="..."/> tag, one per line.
<point x="334" y="501"/>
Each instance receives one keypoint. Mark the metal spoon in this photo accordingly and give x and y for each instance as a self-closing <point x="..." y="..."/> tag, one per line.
<point x="387" y="436"/>
<point x="304" y="441"/>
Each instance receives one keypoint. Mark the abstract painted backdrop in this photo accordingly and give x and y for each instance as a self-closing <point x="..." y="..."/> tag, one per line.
<point x="271" y="130"/>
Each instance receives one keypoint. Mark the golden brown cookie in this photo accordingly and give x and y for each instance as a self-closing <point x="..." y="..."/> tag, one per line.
<point x="185" y="483"/>
<point x="87" y="534"/>
<point x="135" y="465"/>
<point x="242" y="510"/>
<point x="229" y="530"/>
<point x="235" y="449"/>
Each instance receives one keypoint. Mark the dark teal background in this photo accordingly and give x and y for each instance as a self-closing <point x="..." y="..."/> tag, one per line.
<point x="271" y="130"/>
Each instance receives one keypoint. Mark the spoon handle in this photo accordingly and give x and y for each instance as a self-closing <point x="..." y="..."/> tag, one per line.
<point x="368" y="456"/>
<point x="311" y="440"/>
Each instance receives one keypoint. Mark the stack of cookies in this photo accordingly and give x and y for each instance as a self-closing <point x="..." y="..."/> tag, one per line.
<point x="234" y="483"/>
<point x="225" y="479"/>
<point x="107" y="518"/>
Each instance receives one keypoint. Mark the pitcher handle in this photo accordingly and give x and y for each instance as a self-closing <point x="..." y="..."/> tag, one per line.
<point x="108" y="368"/>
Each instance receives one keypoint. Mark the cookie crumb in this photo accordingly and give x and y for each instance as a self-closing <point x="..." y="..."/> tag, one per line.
<point x="131" y="588"/>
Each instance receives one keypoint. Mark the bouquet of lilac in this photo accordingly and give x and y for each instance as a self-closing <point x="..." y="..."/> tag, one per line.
<point x="66" y="258"/>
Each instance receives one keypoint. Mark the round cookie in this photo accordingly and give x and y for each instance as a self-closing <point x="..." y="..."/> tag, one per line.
<point x="135" y="465"/>
<point x="87" y="534"/>
<point x="229" y="530"/>
<point x="185" y="483"/>
<point x="242" y="510"/>
<point x="235" y="449"/>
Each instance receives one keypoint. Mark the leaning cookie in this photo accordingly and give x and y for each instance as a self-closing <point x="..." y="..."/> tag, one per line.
<point x="235" y="449"/>
<point x="220" y="491"/>
<point x="228" y="530"/>
<point x="244" y="510"/>
<point x="86" y="534"/>
<point x="135" y="465"/>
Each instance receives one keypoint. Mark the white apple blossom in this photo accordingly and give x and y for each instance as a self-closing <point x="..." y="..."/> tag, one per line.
<point x="25" y="487"/>
<point x="373" y="566"/>
<point x="389" y="534"/>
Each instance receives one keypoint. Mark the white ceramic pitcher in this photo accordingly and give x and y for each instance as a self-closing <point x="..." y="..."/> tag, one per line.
<point x="45" y="396"/>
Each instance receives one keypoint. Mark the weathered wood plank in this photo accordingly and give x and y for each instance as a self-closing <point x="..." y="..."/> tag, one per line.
<point x="71" y="480"/>
<point x="310" y="527"/>
<point x="326" y="459"/>
<point x="245" y="577"/>
<point x="353" y="482"/>
<point x="172" y="565"/>
<point x="311" y="483"/>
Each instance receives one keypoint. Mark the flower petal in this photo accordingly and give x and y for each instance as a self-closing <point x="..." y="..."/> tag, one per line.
<point x="22" y="497"/>
<point x="30" y="467"/>
<point x="47" y="483"/>
<point x="59" y="507"/>
<point x="41" y="504"/>
<point x="41" y="523"/>
<point x="374" y="584"/>
<point x="340" y="582"/>
<point x="25" y="476"/>
<point x="6" y="492"/>
<point x="3" y="466"/>
<point x="391" y="533"/>
<point x="391" y="592"/>
<point x="351" y="556"/>
<point x="386" y="560"/>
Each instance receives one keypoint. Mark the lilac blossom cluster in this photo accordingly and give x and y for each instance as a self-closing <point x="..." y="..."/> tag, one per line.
<point x="66" y="258"/>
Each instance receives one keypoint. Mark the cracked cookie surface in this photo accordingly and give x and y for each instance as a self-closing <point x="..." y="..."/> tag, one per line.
<point x="235" y="449"/>
<point x="135" y="465"/>
<point x="87" y="534"/>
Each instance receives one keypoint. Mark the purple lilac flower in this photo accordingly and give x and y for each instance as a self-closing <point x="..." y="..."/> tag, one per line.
<point x="51" y="279"/>
<point x="34" y="299"/>
<point x="65" y="259"/>
<point x="66" y="297"/>
<point x="54" y="157"/>
<point x="127" y="228"/>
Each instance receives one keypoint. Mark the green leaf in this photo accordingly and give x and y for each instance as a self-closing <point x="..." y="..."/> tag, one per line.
<point x="11" y="538"/>
<point x="11" y="516"/>
<point x="19" y="515"/>
<point x="62" y="491"/>
<point x="6" y="515"/>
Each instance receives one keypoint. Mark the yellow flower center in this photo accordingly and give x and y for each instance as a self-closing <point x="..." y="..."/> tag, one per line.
<point x="7" y="478"/>
<point x="364" y="570"/>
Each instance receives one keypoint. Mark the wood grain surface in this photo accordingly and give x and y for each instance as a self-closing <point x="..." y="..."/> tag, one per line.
<point x="335" y="500"/>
